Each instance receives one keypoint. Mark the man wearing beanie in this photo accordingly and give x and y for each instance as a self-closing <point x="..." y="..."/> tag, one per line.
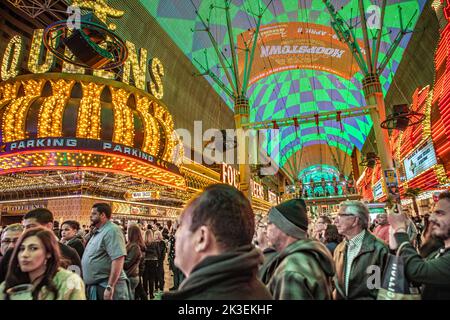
<point x="303" y="269"/>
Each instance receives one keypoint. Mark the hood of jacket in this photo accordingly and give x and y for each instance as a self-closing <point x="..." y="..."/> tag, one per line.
<point x="309" y="247"/>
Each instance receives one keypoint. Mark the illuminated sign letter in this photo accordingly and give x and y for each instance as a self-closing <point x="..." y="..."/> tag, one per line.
<point x="36" y="52"/>
<point x="10" y="63"/>
<point x="71" y="142"/>
<point x="156" y="73"/>
<point x="135" y="65"/>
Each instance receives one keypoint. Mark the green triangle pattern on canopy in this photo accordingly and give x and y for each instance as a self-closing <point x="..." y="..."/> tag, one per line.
<point x="294" y="92"/>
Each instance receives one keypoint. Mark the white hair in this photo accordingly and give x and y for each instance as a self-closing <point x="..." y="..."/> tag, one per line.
<point x="359" y="209"/>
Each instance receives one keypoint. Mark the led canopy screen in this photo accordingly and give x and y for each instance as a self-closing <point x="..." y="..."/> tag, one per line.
<point x="291" y="83"/>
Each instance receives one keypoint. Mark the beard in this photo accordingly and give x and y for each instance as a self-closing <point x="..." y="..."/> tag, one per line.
<point x="440" y="235"/>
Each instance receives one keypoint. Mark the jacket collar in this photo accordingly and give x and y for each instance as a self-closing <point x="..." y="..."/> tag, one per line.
<point x="368" y="245"/>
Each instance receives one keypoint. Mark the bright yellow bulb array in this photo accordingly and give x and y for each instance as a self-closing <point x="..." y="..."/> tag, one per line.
<point x="89" y="111"/>
<point x="135" y="65"/>
<point x="101" y="10"/>
<point x="151" y="132"/>
<point x="123" y="117"/>
<point x="398" y="151"/>
<point x="157" y="121"/>
<point x="8" y="92"/>
<point x="15" y="113"/>
<point x="12" y="53"/>
<point x="35" y="54"/>
<point x="91" y="161"/>
<point x="441" y="175"/>
<point x="52" y="109"/>
<point x="69" y="67"/>
<point x="156" y="85"/>
<point x="166" y="119"/>
<point x="427" y="121"/>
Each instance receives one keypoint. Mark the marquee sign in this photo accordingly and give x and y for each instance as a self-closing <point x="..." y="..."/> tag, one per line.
<point x="297" y="45"/>
<point x="229" y="175"/>
<point x="68" y="144"/>
<point x="273" y="198"/>
<point x="377" y="189"/>
<point x="147" y="74"/>
<point x="421" y="159"/>
<point x="257" y="190"/>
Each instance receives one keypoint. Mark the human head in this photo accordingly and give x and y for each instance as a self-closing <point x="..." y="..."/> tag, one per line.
<point x="217" y="220"/>
<point x="148" y="236"/>
<point x="135" y="235"/>
<point x="100" y="214"/>
<point x="288" y="222"/>
<point x="382" y="219"/>
<point x="261" y="234"/>
<point x="158" y="235"/>
<point x="321" y="223"/>
<point x="353" y="217"/>
<point x="9" y="237"/>
<point x="69" y="229"/>
<point x="440" y="219"/>
<point x="38" y="217"/>
<point x="332" y="234"/>
<point x="35" y="255"/>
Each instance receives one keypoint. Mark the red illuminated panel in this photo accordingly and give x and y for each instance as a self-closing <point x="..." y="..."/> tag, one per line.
<point x="425" y="181"/>
<point x="377" y="172"/>
<point x="413" y="135"/>
<point x="401" y="189"/>
<point x="441" y="100"/>
<point x="365" y="185"/>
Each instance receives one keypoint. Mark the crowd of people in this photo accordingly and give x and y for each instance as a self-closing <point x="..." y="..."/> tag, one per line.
<point x="218" y="251"/>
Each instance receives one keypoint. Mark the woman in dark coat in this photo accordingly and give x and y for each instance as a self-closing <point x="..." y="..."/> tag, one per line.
<point x="135" y="252"/>
<point x="162" y="249"/>
<point x="151" y="263"/>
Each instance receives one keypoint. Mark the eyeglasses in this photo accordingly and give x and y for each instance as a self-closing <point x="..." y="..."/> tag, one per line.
<point x="8" y="241"/>
<point x="345" y="215"/>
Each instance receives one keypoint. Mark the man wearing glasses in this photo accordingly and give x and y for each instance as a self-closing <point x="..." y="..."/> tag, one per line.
<point x="9" y="237"/>
<point x="356" y="257"/>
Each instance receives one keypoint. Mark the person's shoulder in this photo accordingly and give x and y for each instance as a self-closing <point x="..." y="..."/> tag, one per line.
<point x="111" y="228"/>
<point x="65" y="249"/>
<point x="64" y="276"/>
<point x="67" y="279"/>
<point x="378" y="243"/>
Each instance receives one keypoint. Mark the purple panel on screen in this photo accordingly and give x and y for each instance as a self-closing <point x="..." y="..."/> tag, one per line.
<point x="306" y="96"/>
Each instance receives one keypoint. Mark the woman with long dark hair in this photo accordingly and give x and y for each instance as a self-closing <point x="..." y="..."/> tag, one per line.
<point x="34" y="271"/>
<point x="135" y="248"/>
<point x="332" y="237"/>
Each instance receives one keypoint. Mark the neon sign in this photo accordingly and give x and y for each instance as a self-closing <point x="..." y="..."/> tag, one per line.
<point x="421" y="159"/>
<point x="83" y="144"/>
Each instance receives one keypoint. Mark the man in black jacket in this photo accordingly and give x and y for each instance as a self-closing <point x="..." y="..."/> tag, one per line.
<point x="41" y="217"/>
<point x="213" y="248"/>
<point x="434" y="271"/>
